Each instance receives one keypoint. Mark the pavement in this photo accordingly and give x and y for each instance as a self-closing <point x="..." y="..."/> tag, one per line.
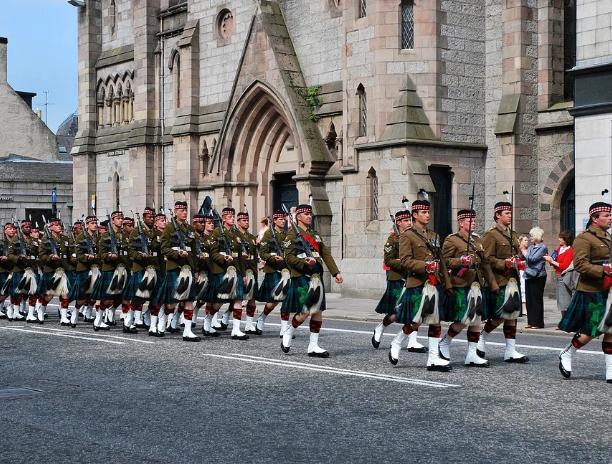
<point x="75" y="395"/>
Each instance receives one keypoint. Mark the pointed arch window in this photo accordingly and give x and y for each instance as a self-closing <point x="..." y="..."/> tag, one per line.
<point x="175" y="67"/>
<point x="363" y="8"/>
<point x="372" y="183"/>
<point x="363" y="111"/>
<point x="116" y="198"/>
<point x="100" y="105"/>
<point x="112" y="16"/>
<point x="407" y="24"/>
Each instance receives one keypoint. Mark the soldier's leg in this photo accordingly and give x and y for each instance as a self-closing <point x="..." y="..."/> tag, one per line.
<point x="489" y="327"/>
<point x="207" y="327"/>
<point x="434" y="361"/>
<point x="137" y="304"/>
<point x="606" y="347"/>
<point x="75" y="314"/>
<point x="444" y="346"/>
<point x="472" y="358"/>
<point x="14" y="314"/>
<point x="169" y="310"/>
<point x="566" y="355"/>
<point x="154" y="310"/>
<point x="314" y="350"/>
<point x="2" y="307"/>
<point x="250" y="327"/>
<point x="128" y="319"/>
<point x="32" y="309"/>
<point x="261" y="320"/>
<point x="379" y="330"/>
<point x="173" y="323"/>
<point x="298" y="319"/>
<point x="398" y="341"/>
<point x="99" y="321"/>
<point x="511" y="355"/>
<point x="237" y="334"/>
<point x="188" y="335"/>
<point x="64" y="301"/>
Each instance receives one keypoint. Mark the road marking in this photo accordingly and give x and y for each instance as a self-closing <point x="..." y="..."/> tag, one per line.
<point x="135" y="340"/>
<point x="23" y="329"/>
<point x="533" y="347"/>
<point x="330" y="370"/>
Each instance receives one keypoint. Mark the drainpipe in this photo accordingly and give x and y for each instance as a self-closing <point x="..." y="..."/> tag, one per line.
<point x="162" y="112"/>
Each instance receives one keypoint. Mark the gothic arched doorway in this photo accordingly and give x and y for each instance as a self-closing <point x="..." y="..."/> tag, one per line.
<point x="568" y="208"/>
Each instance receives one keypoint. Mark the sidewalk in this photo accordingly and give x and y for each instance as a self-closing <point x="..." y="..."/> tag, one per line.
<point x="362" y="309"/>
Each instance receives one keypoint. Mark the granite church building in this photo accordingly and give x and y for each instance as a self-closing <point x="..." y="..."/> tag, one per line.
<point x="355" y="102"/>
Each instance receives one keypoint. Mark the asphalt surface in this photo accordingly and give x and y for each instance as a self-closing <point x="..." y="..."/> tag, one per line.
<point x="106" y="397"/>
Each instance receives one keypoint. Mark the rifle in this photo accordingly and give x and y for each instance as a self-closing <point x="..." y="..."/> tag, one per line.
<point x="143" y="237"/>
<point x="21" y="238"/>
<point x="303" y="243"/>
<point x="395" y="228"/>
<point x="278" y="246"/>
<point x="179" y="234"/>
<point x="510" y="198"/>
<point x="224" y="239"/>
<point x="49" y="236"/>
<point x="467" y="251"/>
<point x="112" y="236"/>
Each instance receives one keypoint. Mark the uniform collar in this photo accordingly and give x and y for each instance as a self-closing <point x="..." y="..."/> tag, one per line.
<point x="419" y="230"/>
<point x="599" y="232"/>
<point x="501" y="227"/>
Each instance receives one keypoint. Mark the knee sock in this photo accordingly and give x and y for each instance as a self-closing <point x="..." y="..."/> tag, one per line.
<point x="510" y="331"/>
<point x="315" y="326"/>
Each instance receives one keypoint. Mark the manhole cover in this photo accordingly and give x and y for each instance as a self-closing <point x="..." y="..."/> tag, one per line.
<point x="12" y="393"/>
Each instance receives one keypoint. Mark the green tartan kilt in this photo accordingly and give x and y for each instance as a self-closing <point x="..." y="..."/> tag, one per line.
<point x="389" y="300"/>
<point x="294" y="302"/>
<point x="100" y="292"/>
<point x="15" y="282"/>
<point x="3" y="279"/>
<point x="169" y="287"/>
<point x="492" y="304"/>
<point x="408" y="305"/>
<point x="82" y="283"/>
<point x="130" y="289"/>
<point x="456" y="306"/>
<point x="264" y="293"/>
<point x="73" y="285"/>
<point x="214" y="286"/>
<point x="584" y="313"/>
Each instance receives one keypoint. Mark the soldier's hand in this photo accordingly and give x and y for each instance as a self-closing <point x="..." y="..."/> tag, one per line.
<point x="467" y="261"/>
<point x="112" y="256"/>
<point x="278" y="259"/>
<point x="89" y="257"/>
<point x="607" y="268"/>
<point x="228" y="259"/>
<point x="3" y="258"/>
<point x="55" y="257"/>
<point x="183" y="253"/>
<point x="310" y="261"/>
<point x="339" y="278"/>
<point x="431" y="267"/>
<point x="509" y="262"/>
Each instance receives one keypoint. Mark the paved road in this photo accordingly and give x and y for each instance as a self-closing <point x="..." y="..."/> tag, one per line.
<point x="114" y="398"/>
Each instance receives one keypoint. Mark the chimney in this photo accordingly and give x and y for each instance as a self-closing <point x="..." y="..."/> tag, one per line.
<point x="3" y="46"/>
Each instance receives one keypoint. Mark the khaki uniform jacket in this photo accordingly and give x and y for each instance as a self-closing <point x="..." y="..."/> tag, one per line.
<point x="18" y="260"/>
<point x="139" y="259"/>
<point x="50" y="264"/>
<point x="496" y="243"/>
<point x="250" y="243"/>
<point x="33" y="246"/>
<point x="295" y="255"/>
<point x="218" y="251"/>
<point x="414" y="252"/>
<point x="84" y="248"/>
<point x="391" y="259"/>
<point x="5" y="264"/>
<point x="104" y="249"/>
<point x="70" y="263"/>
<point x="204" y="243"/>
<point x="170" y="245"/>
<point x="591" y="250"/>
<point x="455" y="246"/>
<point x="269" y="249"/>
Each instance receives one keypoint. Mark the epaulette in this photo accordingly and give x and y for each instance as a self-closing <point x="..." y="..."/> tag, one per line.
<point x="474" y="234"/>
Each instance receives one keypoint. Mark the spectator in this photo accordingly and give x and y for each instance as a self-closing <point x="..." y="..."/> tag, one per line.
<point x="523" y="247"/>
<point x="535" y="279"/>
<point x="561" y="260"/>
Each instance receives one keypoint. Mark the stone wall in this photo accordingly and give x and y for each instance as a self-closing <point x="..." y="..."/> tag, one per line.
<point x="594" y="32"/>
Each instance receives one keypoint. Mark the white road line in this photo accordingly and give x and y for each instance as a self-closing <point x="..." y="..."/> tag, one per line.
<point x="30" y="331"/>
<point x="127" y="339"/>
<point x="330" y="370"/>
<point x="533" y="347"/>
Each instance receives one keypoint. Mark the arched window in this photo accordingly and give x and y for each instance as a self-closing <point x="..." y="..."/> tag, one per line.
<point x="204" y="159"/>
<point x="116" y="199"/>
<point x="117" y="110"/>
<point x="363" y="112"/>
<point x="175" y="67"/>
<point x="112" y="16"/>
<point x="109" y="103"/>
<point x="407" y="24"/>
<point x="100" y="105"/>
<point x="372" y="195"/>
<point x="362" y="8"/>
<point x="569" y="47"/>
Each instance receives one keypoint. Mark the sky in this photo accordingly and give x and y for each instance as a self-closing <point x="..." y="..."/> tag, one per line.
<point x="42" y="53"/>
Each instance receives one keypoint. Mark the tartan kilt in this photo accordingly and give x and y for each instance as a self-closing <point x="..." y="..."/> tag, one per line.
<point x="15" y="282"/>
<point x="214" y="284"/>
<point x="132" y="285"/>
<point x="169" y="287"/>
<point x="408" y="305"/>
<point x="102" y="285"/>
<point x="73" y="285"/>
<point x="387" y="303"/>
<point x="82" y="283"/>
<point x="157" y="296"/>
<point x="294" y="302"/>
<point x="46" y="279"/>
<point x="264" y="293"/>
<point x="3" y="278"/>
<point x="456" y="305"/>
<point x="492" y="304"/>
<point x="584" y="313"/>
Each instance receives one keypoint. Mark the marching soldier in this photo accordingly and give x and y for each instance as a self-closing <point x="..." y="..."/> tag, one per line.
<point x="54" y="255"/>
<point x="33" y="246"/>
<point x="464" y="256"/>
<point x="420" y="256"/>
<point x="127" y="311"/>
<point x="504" y="301"/>
<point x="176" y="245"/>
<point x="305" y="254"/>
<point x="5" y="268"/>
<point x="157" y="326"/>
<point x="249" y="261"/>
<point x="586" y="314"/>
<point x="226" y="283"/>
<point x="113" y="255"/>
<point x="16" y="258"/>
<point x="202" y="230"/>
<point x="87" y="269"/>
<point x="396" y="278"/>
<point x="70" y="266"/>
<point x="277" y="277"/>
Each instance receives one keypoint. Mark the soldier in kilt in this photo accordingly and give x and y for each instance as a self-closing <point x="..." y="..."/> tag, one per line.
<point x="54" y="255"/>
<point x="272" y="253"/>
<point x="176" y="245"/>
<point x="113" y="254"/>
<point x="589" y="314"/>
<point x="202" y="229"/>
<point x="18" y="260"/>
<point x="127" y="311"/>
<point x="396" y="278"/>
<point x="33" y="245"/>
<point x="427" y="280"/>
<point x="504" y="300"/>
<point x="305" y="254"/>
<point x="70" y="267"/>
<point x="226" y="284"/>
<point x="87" y="269"/>
<point x="470" y="275"/>
<point x="249" y="261"/>
<point x="5" y="267"/>
<point x="157" y="326"/>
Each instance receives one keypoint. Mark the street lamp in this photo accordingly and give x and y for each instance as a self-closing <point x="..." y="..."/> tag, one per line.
<point x="77" y="3"/>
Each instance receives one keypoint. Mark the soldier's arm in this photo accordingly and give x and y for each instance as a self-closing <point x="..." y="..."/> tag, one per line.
<point x="291" y="253"/>
<point x="487" y="273"/>
<point x="266" y="248"/>
<point x="215" y="250"/>
<point x="166" y="244"/>
<point x="135" y="248"/>
<point x="391" y="258"/>
<point x="406" y="257"/>
<point x="490" y="244"/>
<point x="44" y="254"/>
<point x="12" y="255"/>
<point x="328" y="259"/>
<point x="582" y="259"/>
<point x="449" y="253"/>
